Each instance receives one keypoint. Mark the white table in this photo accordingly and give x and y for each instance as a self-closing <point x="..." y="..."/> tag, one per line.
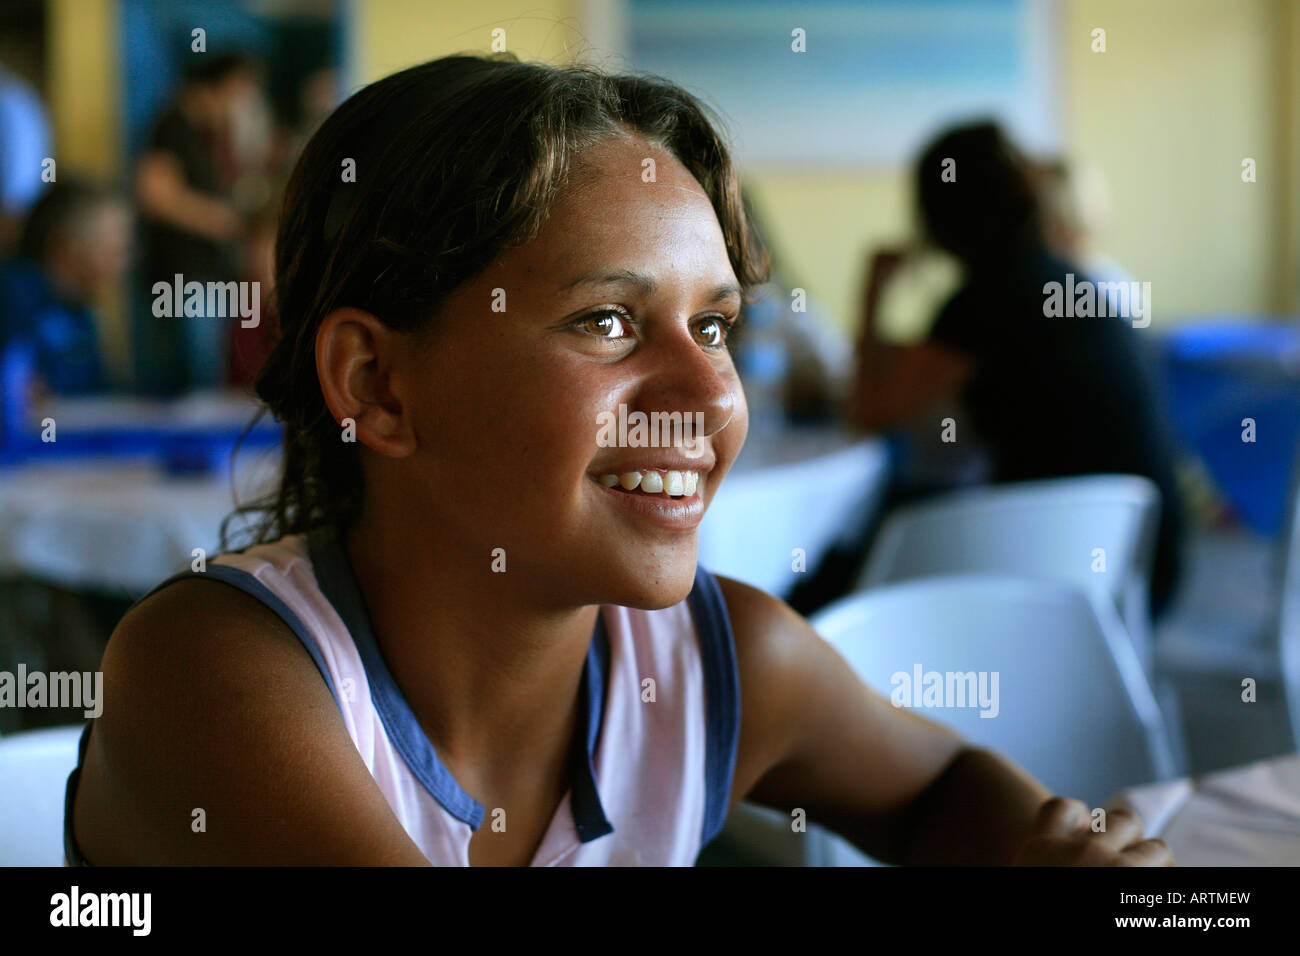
<point x="1245" y="816"/>
<point x="115" y="526"/>
<point x="802" y="491"/>
<point x="218" y="407"/>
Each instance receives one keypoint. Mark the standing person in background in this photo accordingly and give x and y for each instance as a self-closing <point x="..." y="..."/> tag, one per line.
<point x="249" y="347"/>
<point x="1051" y="395"/>
<point x="74" y="245"/>
<point x="190" y="222"/>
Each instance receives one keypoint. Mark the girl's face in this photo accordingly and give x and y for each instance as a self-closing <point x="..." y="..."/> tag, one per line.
<point x="623" y="299"/>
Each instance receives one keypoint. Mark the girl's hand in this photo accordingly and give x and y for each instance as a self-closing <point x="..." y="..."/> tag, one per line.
<point x="1062" y="835"/>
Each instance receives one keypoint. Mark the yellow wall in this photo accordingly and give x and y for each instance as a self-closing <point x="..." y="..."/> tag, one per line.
<point x="84" y="82"/>
<point x="392" y="34"/>
<point x="83" y="79"/>
<point x="1186" y="90"/>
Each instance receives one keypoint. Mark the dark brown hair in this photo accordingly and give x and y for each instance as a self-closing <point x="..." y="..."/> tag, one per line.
<point x="456" y="161"/>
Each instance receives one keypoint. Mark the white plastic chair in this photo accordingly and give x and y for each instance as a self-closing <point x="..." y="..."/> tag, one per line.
<point x="34" y="768"/>
<point x="1073" y="704"/>
<point x="761" y="515"/>
<point x="1288" y="630"/>
<point x="1040" y="529"/>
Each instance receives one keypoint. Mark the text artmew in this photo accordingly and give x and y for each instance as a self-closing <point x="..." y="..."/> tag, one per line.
<point x="946" y="689"/>
<point x="213" y="300"/>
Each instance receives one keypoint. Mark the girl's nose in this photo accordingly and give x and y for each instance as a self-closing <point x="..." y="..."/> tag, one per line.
<point x="685" y="377"/>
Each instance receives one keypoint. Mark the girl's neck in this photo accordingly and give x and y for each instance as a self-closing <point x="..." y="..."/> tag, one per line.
<point x="493" y="681"/>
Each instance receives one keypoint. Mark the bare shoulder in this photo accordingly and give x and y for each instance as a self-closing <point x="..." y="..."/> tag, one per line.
<point x="779" y="657"/>
<point x="220" y="742"/>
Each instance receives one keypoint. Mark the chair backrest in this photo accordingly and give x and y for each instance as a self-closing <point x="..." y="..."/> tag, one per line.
<point x="34" y="768"/>
<point x="1066" y="529"/>
<point x="761" y="515"/>
<point x="1071" y="703"/>
<point x="1288" y="608"/>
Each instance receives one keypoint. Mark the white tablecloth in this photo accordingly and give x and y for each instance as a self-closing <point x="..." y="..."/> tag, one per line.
<point x="1246" y="816"/>
<point x="116" y="526"/>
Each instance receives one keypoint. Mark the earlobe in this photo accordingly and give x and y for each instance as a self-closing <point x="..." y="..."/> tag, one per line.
<point x="354" y="362"/>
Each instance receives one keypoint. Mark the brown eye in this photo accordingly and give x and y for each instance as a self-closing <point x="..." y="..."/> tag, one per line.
<point x="711" y="332"/>
<point x="605" y="325"/>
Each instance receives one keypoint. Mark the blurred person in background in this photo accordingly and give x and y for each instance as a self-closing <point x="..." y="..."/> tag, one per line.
<point x="317" y="95"/>
<point x="249" y="347"/>
<point x="184" y="185"/>
<point x="75" y="245"/>
<point x="24" y="146"/>
<point x="1050" y="396"/>
<point x="1075" y="209"/>
<point x="794" y="364"/>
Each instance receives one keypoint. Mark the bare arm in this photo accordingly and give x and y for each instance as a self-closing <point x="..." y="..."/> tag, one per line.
<point x="902" y="788"/>
<point x="163" y="194"/>
<point x="893" y="384"/>
<point x="225" y="711"/>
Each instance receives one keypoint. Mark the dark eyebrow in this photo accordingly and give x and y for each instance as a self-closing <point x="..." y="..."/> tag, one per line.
<point x="643" y="284"/>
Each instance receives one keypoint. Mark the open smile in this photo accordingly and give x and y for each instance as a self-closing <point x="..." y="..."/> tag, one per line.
<point x="670" y="484"/>
<point x="669" y="498"/>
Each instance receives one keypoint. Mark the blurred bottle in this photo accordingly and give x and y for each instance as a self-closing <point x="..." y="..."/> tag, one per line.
<point x="763" y="362"/>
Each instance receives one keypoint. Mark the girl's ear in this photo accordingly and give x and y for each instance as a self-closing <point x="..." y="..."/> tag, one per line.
<point x="354" y="361"/>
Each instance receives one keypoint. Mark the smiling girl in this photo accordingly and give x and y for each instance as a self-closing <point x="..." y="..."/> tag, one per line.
<point x="475" y="634"/>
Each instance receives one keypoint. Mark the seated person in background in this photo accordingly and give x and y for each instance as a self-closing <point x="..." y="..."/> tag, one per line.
<point x="1075" y="209"/>
<point x="1050" y="394"/>
<point x="74" y="245"/>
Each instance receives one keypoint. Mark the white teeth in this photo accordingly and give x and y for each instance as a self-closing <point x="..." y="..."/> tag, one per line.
<point x="674" y="484"/>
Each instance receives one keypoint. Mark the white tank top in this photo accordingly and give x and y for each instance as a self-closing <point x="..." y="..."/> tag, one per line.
<point x="654" y="782"/>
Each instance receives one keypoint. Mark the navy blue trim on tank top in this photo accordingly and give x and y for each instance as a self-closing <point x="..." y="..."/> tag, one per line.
<point x="337" y="582"/>
<point x="722" y="699"/>
<point x="71" y="852"/>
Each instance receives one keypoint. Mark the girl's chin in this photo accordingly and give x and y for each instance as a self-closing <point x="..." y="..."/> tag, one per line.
<point x="667" y="587"/>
